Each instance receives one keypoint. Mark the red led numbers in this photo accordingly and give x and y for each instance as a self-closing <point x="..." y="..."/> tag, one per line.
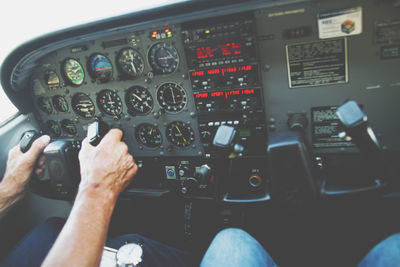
<point x="219" y="51"/>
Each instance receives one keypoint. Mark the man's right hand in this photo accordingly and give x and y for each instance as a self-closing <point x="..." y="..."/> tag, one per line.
<point x="107" y="167"/>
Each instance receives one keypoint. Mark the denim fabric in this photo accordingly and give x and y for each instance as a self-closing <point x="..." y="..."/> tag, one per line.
<point x="154" y="253"/>
<point x="234" y="247"/>
<point x="385" y="254"/>
<point x="231" y="247"/>
<point x="32" y="250"/>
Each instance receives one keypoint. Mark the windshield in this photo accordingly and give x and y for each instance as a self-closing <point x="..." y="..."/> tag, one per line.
<point x="33" y="19"/>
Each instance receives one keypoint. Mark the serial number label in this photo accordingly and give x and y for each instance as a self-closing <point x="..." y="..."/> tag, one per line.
<point x="318" y="63"/>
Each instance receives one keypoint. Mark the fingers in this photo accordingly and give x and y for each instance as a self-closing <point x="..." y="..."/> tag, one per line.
<point x="37" y="146"/>
<point x="113" y="136"/>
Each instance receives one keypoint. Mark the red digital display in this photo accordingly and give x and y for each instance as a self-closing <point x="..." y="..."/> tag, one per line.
<point x="227" y="94"/>
<point x="219" y="51"/>
<point x="222" y="71"/>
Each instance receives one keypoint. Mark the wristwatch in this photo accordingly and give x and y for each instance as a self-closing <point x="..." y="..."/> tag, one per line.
<point x="129" y="255"/>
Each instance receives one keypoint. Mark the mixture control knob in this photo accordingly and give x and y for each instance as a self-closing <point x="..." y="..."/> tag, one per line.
<point x="190" y="185"/>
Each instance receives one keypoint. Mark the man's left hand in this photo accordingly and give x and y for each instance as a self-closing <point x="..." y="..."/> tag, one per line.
<point x="20" y="165"/>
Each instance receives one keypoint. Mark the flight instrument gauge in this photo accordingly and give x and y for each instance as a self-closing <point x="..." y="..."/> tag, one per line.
<point x="51" y="79"/>
<point x="130" y="62"/>
<point x="53" y="128"/>
<point x="138" y="100"/>
<point x="149" y="135"/>
<point x="45" y="105"/>
<point x="163" y="58"/>
<point x="83" y="105"/>
<point x="109" y="102"/>
<point x="180" y="134"/>
<point x="73" y="71"/>
<point x="171" y="97"/>
<point x="60" y="103"/>
<point x="68" y="127"/>
<point x="100" y="67"/>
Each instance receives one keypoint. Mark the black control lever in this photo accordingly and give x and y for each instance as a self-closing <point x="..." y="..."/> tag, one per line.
<point x="27" y="139"/>
<point x="96" y="131"/>
<point x="225" y="139"/>
<point x="356" y="126"/>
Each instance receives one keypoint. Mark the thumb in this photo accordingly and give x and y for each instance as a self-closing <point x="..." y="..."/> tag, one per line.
<point x="37" y="146"/>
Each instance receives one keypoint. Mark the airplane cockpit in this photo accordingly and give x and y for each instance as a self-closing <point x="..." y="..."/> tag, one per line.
<point x="278" y="117"/>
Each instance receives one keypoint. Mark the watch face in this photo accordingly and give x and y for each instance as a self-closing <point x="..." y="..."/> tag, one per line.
<point x="130" y="253"/>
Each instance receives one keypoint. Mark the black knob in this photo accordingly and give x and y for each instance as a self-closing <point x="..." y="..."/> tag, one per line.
<point x="190" y="185"/>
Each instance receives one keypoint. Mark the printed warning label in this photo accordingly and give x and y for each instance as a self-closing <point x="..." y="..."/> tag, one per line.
<point x="326" y="128"/>
<point x="317" y="63"/>
<point x="387" y="32"/>
<point x="340" y="23"/>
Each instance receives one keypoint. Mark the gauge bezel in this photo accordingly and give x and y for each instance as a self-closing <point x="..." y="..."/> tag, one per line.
<point x="101" y="106"/>
<point x="132" y="110"/>
<point x="151" y="59"/>
<point x="39" y="102"/>
<point x="122" y="70"/>
<point x="56" y="106"/>
<point x="94" y="74"/>
<point x="62" y="123"/>
<point x="73" y="105"/>
<point x="65" y="76"/>
<point x="51" y="132"/>
<point x="46" y="76"/>
<point x="168" y="134"/>
<point x="140" y="127"/>
<point x="165" y="105"/>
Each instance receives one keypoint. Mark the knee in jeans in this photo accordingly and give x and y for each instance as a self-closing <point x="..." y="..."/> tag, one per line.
<point x="393" y="240"/>
<point x="232" y="234"/>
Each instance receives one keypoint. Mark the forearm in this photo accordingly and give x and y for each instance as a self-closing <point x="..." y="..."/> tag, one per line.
<point x="8" y="197"/>
<point x="82" y="239"/>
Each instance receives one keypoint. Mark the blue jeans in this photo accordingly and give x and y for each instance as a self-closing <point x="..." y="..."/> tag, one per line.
<point x="231" y="247"/>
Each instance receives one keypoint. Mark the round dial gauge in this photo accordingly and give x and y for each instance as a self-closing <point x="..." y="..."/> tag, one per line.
<point x="180" y="134"/>
<point x="45" y="105"/>
<point x="130" y="62"/>
<point x="73" y="71"/>
<point x="100" y="67"/>
<point x="171" y="97"/>
<point x="68" y="127"/>
<point x="109" y="102"/>
<point x="163" y="58"/>
<point x="52" y="80"/>
<point x="148" y="135"/>
<point x="53" y="128"/>
<point x="138" y="100"/>
<point x="83" y="105"/>
<point x="60" y="103"/>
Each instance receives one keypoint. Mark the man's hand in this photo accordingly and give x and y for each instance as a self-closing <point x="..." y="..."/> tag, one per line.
<point x="106" y="170"/>
<point x="20" y="165"/>
<point x="19" y="170"/>
<point x="108" y="167"/>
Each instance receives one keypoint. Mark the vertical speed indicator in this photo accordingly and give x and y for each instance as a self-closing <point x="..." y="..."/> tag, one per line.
<point x="163" y="58"/>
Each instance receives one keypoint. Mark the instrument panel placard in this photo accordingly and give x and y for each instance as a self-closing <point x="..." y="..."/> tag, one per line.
<point x="326" y="128"/>
<point x="317" y="63"/>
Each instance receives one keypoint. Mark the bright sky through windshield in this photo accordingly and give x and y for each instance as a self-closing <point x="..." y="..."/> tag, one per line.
<point x="24" y="20"/>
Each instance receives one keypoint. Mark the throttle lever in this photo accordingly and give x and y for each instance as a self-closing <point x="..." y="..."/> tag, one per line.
<point x="356" y="126"/>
